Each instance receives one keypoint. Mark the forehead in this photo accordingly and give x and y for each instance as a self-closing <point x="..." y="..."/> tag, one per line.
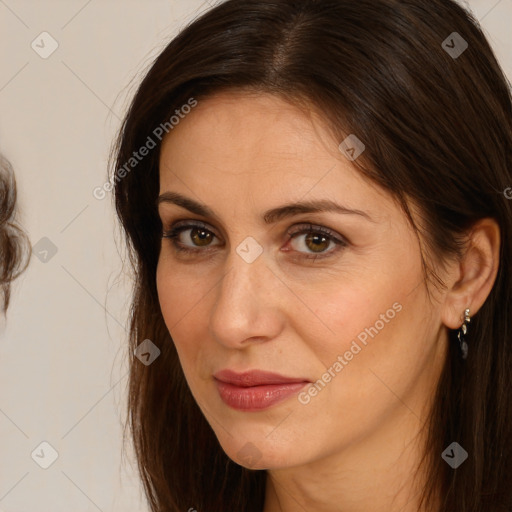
<point x="245" y="125"/>
<point x="263" y="148"/>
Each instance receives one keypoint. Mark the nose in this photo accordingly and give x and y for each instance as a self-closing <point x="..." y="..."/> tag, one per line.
<point x="247" y="307"/>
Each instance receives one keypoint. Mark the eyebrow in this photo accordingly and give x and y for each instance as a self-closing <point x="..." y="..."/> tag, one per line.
<point x="270" y="216"/>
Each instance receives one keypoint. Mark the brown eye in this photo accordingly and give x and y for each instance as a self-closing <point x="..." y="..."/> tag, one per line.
<point x="317" y="243"/>
<point x="201" y="237"/>
<point x="190" y="238"/>
<point x="312" y="243"/>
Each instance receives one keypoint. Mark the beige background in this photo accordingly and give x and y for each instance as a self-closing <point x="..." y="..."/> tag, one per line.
<point x="62" y="353"/>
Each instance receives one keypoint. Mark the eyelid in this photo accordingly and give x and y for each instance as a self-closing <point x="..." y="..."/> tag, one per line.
<point x="190" y="222"/>
<point x="293" y="230"/>
<point x="297" y="229"/>
<point x="339" y="241"/>
<point x="306" y="227"/>
<point x="174" y="226"/>
<point x="178" y="227"/>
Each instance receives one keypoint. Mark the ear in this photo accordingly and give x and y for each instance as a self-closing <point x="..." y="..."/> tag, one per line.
<point x="474" y="275"/>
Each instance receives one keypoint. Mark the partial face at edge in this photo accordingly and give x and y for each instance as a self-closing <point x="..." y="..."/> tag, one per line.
<point x="332" y="298"/>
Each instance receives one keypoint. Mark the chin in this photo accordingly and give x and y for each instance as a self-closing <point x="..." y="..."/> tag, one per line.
<point x="259" y="453"/>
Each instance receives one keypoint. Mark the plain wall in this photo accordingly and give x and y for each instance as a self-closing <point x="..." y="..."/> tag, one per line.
<point x="63" y="350"/>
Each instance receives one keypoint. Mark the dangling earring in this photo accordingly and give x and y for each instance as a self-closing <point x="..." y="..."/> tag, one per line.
<point x="462" y="333"/>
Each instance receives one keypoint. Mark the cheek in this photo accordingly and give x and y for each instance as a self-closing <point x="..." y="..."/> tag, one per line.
<point x="367" y="303"/>
<point x="379" y="350"/>
<point x="350" y="307"/>
<point x="182" y="297"/>
<point x="178" y="292"/>
<point x="368" y="325"/>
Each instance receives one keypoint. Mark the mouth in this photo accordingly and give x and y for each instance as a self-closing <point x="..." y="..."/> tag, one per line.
<point x="255" y="390"/>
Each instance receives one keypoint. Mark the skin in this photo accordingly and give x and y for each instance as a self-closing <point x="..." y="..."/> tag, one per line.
<point x="355" y="446"/>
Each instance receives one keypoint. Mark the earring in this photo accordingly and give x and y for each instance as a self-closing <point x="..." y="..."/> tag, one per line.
<point x="462" y="333"/>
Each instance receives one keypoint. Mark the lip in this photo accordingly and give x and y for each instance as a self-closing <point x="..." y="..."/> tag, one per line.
<point x="255" y="390"/>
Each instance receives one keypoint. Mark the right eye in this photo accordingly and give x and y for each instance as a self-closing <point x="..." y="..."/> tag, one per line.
<point x="198" y="236"/>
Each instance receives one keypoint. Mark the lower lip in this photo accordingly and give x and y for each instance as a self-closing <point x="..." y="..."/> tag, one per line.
<point x="256" y="398"/>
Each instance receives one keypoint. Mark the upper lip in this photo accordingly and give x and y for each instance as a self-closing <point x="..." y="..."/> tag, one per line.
<point x="254" y="378"/>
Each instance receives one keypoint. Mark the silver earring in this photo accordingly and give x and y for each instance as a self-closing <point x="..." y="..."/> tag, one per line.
<point x="462" y="333"/>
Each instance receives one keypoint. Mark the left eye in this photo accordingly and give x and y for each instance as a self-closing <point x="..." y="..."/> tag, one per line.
<point x="316" y="241"/>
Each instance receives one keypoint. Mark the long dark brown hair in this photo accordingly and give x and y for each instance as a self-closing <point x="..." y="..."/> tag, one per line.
<point x="14" y="244"/>
<point x="436" y="119"/>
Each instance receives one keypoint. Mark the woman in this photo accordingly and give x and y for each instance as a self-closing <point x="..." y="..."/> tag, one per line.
<point x="13" y="242"/>
<point x="321" y="245"/>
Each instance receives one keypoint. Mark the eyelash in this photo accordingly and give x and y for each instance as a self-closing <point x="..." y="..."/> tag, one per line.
<point x="174" y="232"/>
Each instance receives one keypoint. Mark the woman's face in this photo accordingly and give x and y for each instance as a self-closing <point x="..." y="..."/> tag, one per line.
<point x="341" y="310"/>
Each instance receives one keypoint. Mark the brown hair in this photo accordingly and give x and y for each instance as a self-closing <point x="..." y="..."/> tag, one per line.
<point x="14" y="247"/>
<point x="438" y="133"/>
